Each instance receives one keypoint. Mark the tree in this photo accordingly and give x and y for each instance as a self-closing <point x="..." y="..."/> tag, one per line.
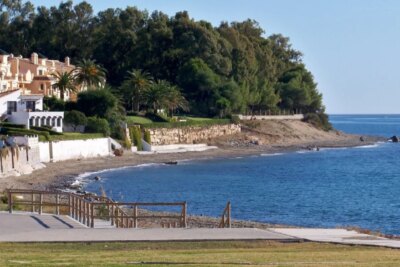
<point x="175" y="100"/>
<point x="99" y="103"/>
<point x="75" y="118"/>
<point x="88" y="74"/>
<point x="230" y="68"/>
<point x="155" y="95"/>
<point x="134" y="85"/>
<point x="97" y="125"/>
<point x="64" y="82"/>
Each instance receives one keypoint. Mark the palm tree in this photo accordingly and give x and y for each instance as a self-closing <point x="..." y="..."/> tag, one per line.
<point x="155" y="95"/>
<point x="64" y="82"/>
<point x="88" y="74"/>
<point x="175" y="100"/>
<point x="135" y="84"/>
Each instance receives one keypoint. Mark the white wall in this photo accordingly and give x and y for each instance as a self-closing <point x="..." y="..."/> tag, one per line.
<point x="19" y="117"/>
<point x="44" y="151"/>
<point x="9" y="97"/>
<point x="75" y="149"/>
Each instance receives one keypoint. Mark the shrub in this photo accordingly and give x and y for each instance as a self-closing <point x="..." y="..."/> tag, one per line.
<point x="132" y="113"/>
<point x="13" y="125"/>
<point x="188" y="123"/>
<point x="43" y="135"/>
<point x="319" y="120"/>
<point x="136" y="137"/>
<point x="235" y="119"/>
<point x="97" y="125"/>
<point x="97" y="102"/>
<point x="75" y="118"/>
<point x="147" y="136"/>
<point x="45" y="129"/>
<point x="53" y="104"/>
<point x="156" y="117"/>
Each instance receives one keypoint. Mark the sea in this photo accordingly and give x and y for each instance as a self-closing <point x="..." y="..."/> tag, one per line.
<point x="337" y="187"/>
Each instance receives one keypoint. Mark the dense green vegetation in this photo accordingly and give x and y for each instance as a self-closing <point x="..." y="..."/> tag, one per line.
<point x="45" y="134"/>
<point x="153" y="61"/>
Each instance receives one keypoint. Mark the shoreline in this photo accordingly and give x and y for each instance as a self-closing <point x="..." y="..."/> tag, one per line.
<point x="61" y="174"/>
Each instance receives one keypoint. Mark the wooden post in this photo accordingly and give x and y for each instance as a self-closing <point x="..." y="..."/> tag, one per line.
<point x="10" y="204"/>
<point x="84" y="212"/>
<point x="135" y="214"/>
<point x="58" y="204"/>
<point x="184" y="219"/>
<point x="33" y="201"/>
<point x="118" y="222"/>
<point x="112" y="215"/>
<point x="69" y="205"/>
<point x="88" y="214"/>
<point x="76" y="208"/>
<point x="73" y="206"/>
<point x="92" y="215"/>
<point x="41" y="203"/>
<point x="122" y="219"/>
<point x="79" y="209"/>
<point x="229" y="214"/>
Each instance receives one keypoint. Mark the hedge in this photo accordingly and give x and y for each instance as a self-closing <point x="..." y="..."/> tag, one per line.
<point x="188" y="123"/>
<point x="136" y="137"/>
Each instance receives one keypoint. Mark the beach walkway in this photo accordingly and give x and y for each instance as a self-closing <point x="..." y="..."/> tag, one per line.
<point x="52" y="228"/>
<point x="31" y="227"/>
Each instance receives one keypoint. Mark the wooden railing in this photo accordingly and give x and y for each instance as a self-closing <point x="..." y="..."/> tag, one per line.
<point x="226" y="217"/>
<point x="87" y="208"/>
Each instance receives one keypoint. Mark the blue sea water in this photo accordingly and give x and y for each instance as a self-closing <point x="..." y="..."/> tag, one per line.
<point x="333" y="187"/>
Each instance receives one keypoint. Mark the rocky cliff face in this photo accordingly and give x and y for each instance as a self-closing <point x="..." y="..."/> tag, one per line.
<point x="191" y="135"/>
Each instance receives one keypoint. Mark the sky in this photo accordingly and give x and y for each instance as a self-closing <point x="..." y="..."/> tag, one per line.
<point x="352" y="47"/>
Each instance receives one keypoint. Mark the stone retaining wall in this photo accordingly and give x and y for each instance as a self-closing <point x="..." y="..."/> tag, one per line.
<point x="191" y="135"/>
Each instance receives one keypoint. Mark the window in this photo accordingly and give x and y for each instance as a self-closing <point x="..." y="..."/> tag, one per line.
<point x="42" y="87"/>
<point x="40" y="72"/>
<point x="11" y="106"/>
<point x="31" y="105"/>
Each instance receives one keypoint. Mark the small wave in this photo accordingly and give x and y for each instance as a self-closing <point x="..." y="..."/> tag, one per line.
<point x="272" y="154"/>
<point x="81" y="178"/>
<point x="333" y="148"/>
<point x="305" y="151"/>
<point x="368" y="146"/>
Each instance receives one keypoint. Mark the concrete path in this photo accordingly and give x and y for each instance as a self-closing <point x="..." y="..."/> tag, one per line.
<point x="50" y="228"/>
<point x="28" y="227"/>
<point x="341" y="236"/>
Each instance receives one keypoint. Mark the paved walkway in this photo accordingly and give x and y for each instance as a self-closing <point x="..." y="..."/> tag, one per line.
<point x="341" y="236"/>
<point x="50" y="228"/>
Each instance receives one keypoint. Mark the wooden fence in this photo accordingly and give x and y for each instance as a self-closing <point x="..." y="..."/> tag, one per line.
<point x="87" y="208"/>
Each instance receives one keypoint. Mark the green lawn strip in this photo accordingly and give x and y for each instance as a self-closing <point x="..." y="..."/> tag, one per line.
<point x="194" y="123"/>
<point x="137" y="120"/>
<point x="195" y="118"/>
<point x="75" y="136"/>
<point x="197" y="253"/>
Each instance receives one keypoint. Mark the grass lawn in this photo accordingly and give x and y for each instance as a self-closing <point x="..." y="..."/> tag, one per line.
<point x="76" y="136"/>
<point x="137" y="120"/>
<point x="256" y="253"/>
<point x="196" y="118"/>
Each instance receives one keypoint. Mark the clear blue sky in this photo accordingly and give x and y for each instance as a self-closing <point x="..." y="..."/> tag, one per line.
<point x="351" y="46"/>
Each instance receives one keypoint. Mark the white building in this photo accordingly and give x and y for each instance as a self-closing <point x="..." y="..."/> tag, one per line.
<point x="28" y="110"/>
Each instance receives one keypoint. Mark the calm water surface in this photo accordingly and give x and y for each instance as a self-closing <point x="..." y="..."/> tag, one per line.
<point x="332" y="187"/>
